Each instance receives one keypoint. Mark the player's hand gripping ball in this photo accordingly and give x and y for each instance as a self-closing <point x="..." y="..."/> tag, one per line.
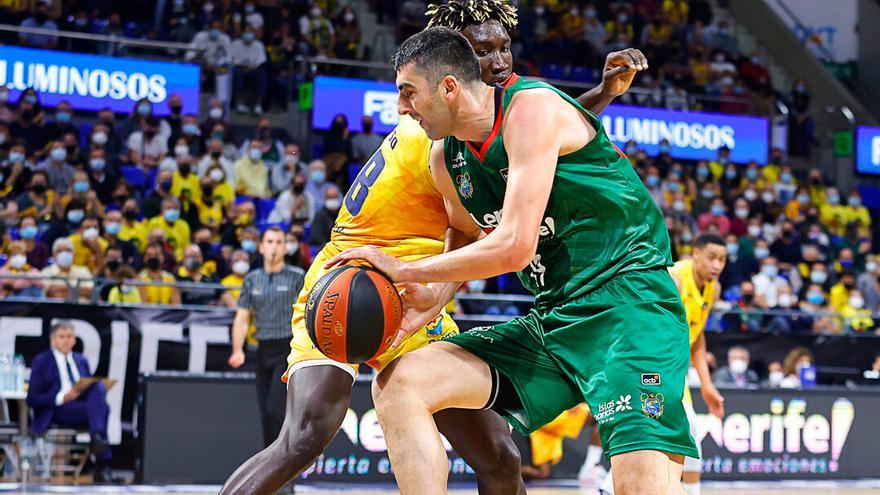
<point x="353" y="314"/>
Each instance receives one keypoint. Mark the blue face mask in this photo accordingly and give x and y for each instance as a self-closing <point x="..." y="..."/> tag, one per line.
<point x="785" y="177"/>
<point x="717" y="210"/>
<point x="803" y="198"/>
<point x="770" y="270"/>
<point x="707" y="193"/>
<point x="815" y="298"/>
<point x="80" y="187"/>
<point x="673" y="186"/>
<point x="190" y="129"/>
<point x="702" y="172"/>
<point x="318" y="176"/>
<point x="833" y="200"/>
<point x="677" y="172"/>
<point x="16" y="157"/>
<point x="171" y="216"/>
<point x="112" y="228"/>
<point x="248" y="36"/>
<point x="62" y="117"/>
<point x="664" y="149"/>
<point x="143" y="109"/>
<point x="29" y="232"/>
<point x="847" y="263"/>
<point x="723" y="160"/>
<point x="730" y="174"/>
<point x="855" y="201"/>
<point x="255" y="154"/>
<point x="58" y="154"/>
<point x="97" y="163"/>
<point x="732" y="249"/>
<point x="75" y="216"/>
<point x="752" y="174"/>
<point x="249" y="246"/>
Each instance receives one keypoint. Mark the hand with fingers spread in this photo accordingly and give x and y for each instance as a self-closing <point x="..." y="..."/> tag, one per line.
<point x="386" y="264"/>
<point x="620" y="69"/>
<point x="421" y="305"/>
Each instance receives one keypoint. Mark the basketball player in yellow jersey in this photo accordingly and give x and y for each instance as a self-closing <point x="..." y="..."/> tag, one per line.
<point x="697" y="281"/>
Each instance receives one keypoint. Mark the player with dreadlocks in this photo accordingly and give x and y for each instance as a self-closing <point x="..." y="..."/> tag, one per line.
<point x="318" y="389"/>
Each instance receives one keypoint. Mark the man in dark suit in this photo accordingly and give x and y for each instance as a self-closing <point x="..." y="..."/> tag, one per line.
<point x="54" y="400"/>
<point x="737" y="373"/>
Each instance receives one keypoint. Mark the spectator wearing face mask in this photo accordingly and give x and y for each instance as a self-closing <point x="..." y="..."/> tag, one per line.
<point x="57" y="168"/>
<point x="322" y="225"/>
<point x="840" y="292"/>
<point x="102" y="177"/>
<point x="38" y="200"/>
<point x="250" y="242"/>
<point x="81" y="191"/>
<point x="787" y="248"/>
<point x="768" y="284"/>
<point x="88" y="245"/>
<point x="61" y="125"/>
<point x="831" y="212"/>
<point x="112" y="228"/>
<point x="716" y="218"/>
<point x="869" y="283"/>
<point x="775" y="375"/>
<point x="67" y="274"/>
<point x="17" y="269"/>
<point x="852" y="248"/>
<point x="152" y="205"/>
<point x="739" y="267"/>
<point x="817" y="316"/>
<point x="209" y="206"/>
<point x="176" y="229"/>
<point x="185" y="182"/>
<point x="797" y="359"/>
<point x="272" y="149"/>
<point x="784" y="320"/>
<point x="854" y="316"/>
<point x="337" y="148"/>
<point x="212" y="50"/>
<point x="133" y="228"/>
<point x="291" y="166"/>
<point x="241" y="216"/>
<point x="67" y="222"/>
<point x="251" y="174"/>
<point x="739" y="221"/>
<point x="123" y="292"/>
<point x="37" y="251"/>
<point x="317" y="183"/>
<point x="221" y="184"/>
<point x="153" y="272"/>
<point x="365" y="143"/>
<point x="42" y="19"/>
<point x="147" y="147"/>
<point x="737" y="373"/>
<point x="193" y="269"/>
<point x="215" y="156"/>
<point x="297" y="252"/>
<point x="294" y="204"/>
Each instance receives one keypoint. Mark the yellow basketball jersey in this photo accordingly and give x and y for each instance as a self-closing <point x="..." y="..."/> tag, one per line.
<point x="393" y="204"/>
<point x="697" y="305"/>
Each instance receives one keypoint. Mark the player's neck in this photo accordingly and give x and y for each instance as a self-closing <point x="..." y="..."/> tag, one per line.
<point x="699" y="281"/>
<point x="476" y="115"/>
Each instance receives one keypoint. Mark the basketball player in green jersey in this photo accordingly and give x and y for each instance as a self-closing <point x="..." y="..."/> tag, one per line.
<point x="578" y="225"/>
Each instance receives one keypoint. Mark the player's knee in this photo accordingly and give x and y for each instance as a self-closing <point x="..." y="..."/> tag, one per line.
<point x="506" y="462"/>
<point x="396" y="385"/>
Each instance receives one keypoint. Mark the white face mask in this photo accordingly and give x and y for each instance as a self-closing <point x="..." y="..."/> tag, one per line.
<point x="216" y="175"/>
<point x="90" y="234"/>
<point x="739" y="366"/>
<point x="181" y="150"/>
<point x="99" y="138"/>
<point x="856" y="302"/>
<point x="754" y="230"/>
<point x="332" y="204"/>
<point x="241" y="267"/>
<point x="871" y="266"/>
<point x="750" y="194"/>
<point x="215" y="113"/>
<point x="742" y="213"/>
<point x="786" y="300"/>
<point x="18" y="261"/>
<point x="292" y="247"/>
<point x="775" y="378"/>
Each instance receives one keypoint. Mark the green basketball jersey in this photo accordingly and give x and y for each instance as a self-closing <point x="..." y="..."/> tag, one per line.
<point x="600" y="220"/>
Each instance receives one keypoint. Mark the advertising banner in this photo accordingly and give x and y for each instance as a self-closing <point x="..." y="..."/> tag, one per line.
<point x="691" y="135"/>
<point x="868" y="150"/>
<point x="93" y="82"/>
<point x="833" y="25"/>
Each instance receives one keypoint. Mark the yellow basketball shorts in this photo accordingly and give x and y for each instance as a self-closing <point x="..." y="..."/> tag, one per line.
<point x="303" y="352"/>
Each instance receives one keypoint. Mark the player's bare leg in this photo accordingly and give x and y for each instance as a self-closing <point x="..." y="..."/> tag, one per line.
<point x="647" y="471"/>
<point x="317" y="400"/>
<point x="408" y="392"/>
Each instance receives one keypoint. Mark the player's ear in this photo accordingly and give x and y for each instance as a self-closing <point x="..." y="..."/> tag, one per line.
<point x="449" y="85"/>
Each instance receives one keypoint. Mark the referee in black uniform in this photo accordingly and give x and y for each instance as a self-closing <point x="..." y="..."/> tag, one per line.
<point x="268" y="293"/>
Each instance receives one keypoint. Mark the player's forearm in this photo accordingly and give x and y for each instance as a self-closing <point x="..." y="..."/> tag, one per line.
<point x="698" y="358"/>
<point x="455" y="239"/>
<point x="491" y="256"/>
<point x="595" y="100"/>
<point x="239" y="331"/>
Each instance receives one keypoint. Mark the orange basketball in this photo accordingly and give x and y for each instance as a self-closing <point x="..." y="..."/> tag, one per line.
<point x="353" y="314"/>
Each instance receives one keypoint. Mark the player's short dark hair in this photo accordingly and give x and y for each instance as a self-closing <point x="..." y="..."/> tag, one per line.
<point x="438" y="52"/>
<point x="459" y="14"/>
<point x="709" y="238"/>
<point x="271" y="229"/>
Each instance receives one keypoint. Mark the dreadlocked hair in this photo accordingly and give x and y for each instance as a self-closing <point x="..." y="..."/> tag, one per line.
<point x="459" y="14"/>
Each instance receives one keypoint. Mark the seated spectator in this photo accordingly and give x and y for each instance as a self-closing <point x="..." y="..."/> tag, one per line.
<point x="147" y="147"/>
<point x="784" y="319"/>
<point x="840" y="292"/>
<point x="775" y="375"/>
<point x="37" y="250"/>
<point x="737" y="373"/>
<point x="271" y="148"/>
<point x="251" y="174"/>
<point x="249" y="241"/>
<point x="68" y="276"/>
<point x="869" y="283"/>
<point x="854" y="211"/>
<point x="193" y="270"/>
<point x="185" y="180"/>
<point x="214" y="126"/>
<point x="318" y="33"/>
<point x="241" y="216"/>
<point x="796" y="360"/>
<point x="832" y="214"/>
<point x="212" y="50"/>
<point x="56" y="129"/>
<point x="364" y="144"/>
<point x="222" y="184"/>
<point x="42" y="19"/>
<point x="133" y="229"/>
<point x="294" y="204"/>
<point x="817" y="315"/>
<point x="210" y="206"/>
<point x="215" y="157"/>
<point x="54" y="399"/>
<point x="738" y="267"/>
<point x="123" y="292"/>
<point x="787" y="248"/>
<point x="17" y="266"/>
<point x="169" y="260"/>
<point x="88" y="245"/>
<point x="747" y="316"/>
<point x="768" y="284"/>
<point x="249" y="71"/>
<point x="56" y="167"/>
<point x="112" y="228"/>
<point x="322" y="226"/>
<point x="716" y="218"/>
<point x="176" y="230"/>
<point x="80" y="190"/>
<point x="67" y="222"/>
<point x="153" y="259"/>
<point x="283" y="173"/>
<point x="317" y="184"/>
<point x="103" y="179"/>
<point x="337" y="149"/>
<point x="142" y="118"/>
<point x="297" y="252"/>
<point x="239" y="261"/>
<point x="852" y="247"/>
<point x="854" y="316"/>
<point x="152" y="205"/>
<point x="348" y="33"/>
<point x="29" y="127"/>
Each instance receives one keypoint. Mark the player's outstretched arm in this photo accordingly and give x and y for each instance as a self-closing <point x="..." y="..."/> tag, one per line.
<point x="617" y="76"/>
<point x="538" y="125"/>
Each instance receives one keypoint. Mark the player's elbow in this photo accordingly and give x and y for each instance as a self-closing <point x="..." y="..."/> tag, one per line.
<point x="518" y="251"/>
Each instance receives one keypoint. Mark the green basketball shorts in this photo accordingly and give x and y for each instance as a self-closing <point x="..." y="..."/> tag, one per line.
<point x="623" y="348"/>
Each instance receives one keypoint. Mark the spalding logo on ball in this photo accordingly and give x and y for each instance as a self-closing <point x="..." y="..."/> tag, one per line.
<point x="353" y="314"/>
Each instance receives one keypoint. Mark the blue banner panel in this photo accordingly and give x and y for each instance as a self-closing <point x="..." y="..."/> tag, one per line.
<point x="93" y="82"/>
<point x="692" y="135"/>
<point x="868" y="150"/>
